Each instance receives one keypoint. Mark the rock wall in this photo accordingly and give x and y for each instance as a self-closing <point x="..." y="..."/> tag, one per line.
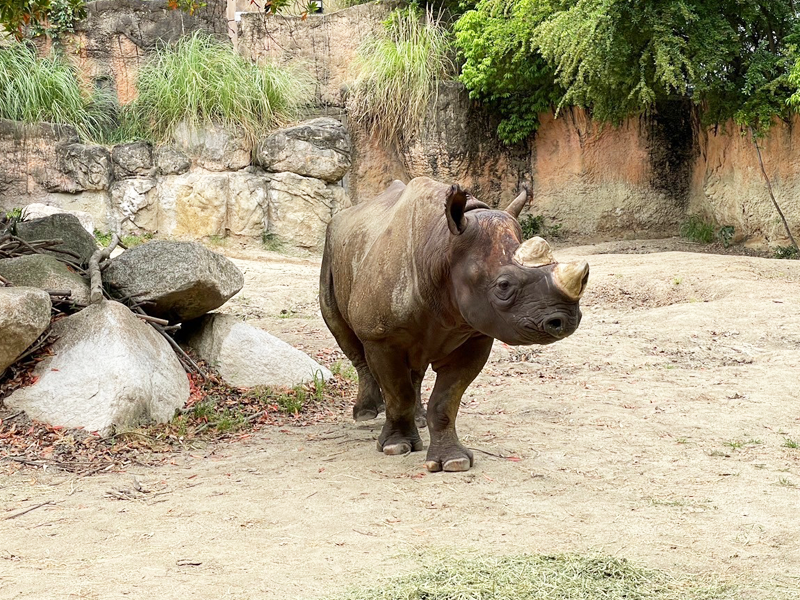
<point x="728" y="186"/>
<point x="111" y="43"/>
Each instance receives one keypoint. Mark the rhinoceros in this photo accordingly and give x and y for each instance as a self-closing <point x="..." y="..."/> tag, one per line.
<point x="425" y="275"/>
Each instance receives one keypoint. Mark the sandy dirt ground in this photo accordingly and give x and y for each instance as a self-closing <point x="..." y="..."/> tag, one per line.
<point x="661" y="431"/>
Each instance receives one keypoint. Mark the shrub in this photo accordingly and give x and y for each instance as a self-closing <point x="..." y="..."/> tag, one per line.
<point x="201" y="81"/>
<point x="698" y="230"/>
<point x="34" y="88"/>
<point x="399" y="72"/>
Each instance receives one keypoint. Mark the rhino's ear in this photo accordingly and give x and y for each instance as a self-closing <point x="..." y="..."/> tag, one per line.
<point x="519" y="202"/>
<point x="455" y="206"/>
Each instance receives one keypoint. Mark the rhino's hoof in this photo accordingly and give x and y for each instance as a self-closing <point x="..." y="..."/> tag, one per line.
<point x="365" y="414"/>
<point x="457" y="464"/>
<point x="404" y="447"/>
<point x="421" y="421"/>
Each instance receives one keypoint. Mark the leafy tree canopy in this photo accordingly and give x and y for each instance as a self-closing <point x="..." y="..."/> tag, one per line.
<point x="17" y="15"/>
<point x="623" y="57"/>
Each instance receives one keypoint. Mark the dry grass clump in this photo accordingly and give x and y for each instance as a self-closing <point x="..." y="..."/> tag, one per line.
<point x="399" y="72"/>
<point x="538" y="577"/>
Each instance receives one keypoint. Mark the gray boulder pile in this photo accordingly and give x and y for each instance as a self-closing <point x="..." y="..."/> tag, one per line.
<point x="109" y="369"/>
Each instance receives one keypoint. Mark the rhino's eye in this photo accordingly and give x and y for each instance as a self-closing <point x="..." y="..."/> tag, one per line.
<point x="504" y="289"/>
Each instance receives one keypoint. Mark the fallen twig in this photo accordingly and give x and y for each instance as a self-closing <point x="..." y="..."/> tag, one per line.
<point x="27" y="510"/>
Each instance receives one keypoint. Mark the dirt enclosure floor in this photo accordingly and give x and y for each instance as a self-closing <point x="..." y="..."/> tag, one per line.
<point x="663" y="431"/>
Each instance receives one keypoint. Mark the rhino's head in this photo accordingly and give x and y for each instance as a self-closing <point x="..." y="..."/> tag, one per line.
<point x="512" y="291"/>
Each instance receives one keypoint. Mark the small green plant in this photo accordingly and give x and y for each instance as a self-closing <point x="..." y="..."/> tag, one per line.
<point x="344" y="369"/>
<point x="725" y="235"/>
<point x="104" y="239"/>
<point x="734" y="444"/>
<point x="790" y="443"/>
<point x="677" y="280"/>
<point x="293" y="400"/>
<point x="697" y="230"/>
<point x="786" y="482"/>
<point x="319" y="386"/>
<point x="531" y="226"/>
<point x="785" y="252"/>
<point x="133" y="240"/>
<point x="14" y="213"/>
<point x="271" y="242"/>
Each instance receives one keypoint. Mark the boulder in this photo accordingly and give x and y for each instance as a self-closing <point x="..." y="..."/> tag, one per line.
<point x="108" y="370"/>
<point x="24" y="316"/>
<point x="133" y="160"/>
<point x="170" y="161"/>
<point x="62" y="226"/>
<point x="134" y="204"/>
<point x="246" y="356"/>
<point x="300" y="208"/>
<point x="46" y="273"/>
<point x="214" y="147"/>
<point x="183" y="280"/>
<point x="96" y="204"/>
<point x="38" y="211"/>
<point x="86" y="168"/>
<point x="318" y="148"/>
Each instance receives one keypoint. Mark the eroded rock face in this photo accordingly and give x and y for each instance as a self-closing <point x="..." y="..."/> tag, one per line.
<point x="86" y="167"/>
<point x="214" y="147"/>
<point x="45" y="273"/>
<point x="133" y="160"/>
<point x="135" y="205"/>
<point x="108" y="369"/>
<point x="170" y="161"/>
<point x="24" y="316"/>
<point x="183" y="280"/>
<point x="246" y="356"/>
<point x="300" y="208"/>
<point x="318" y="148"/>
<point x="63" y="226"/>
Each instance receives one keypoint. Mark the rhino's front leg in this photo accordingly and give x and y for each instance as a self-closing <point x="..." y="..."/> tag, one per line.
<point x="389" y="366"/>
<point x="453" y="376"/>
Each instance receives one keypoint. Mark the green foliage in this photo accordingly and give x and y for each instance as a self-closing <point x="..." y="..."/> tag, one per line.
<point x="502" y="69"/>
<point x="624" y="57"/>
<point x="201" y="81"/>
<point x="399" y="72"/>
<point x="34" y="88"/>
<point x="61" y="18"/>
<point x="271" y="241"/>
<point x="14" y="213"/>
<point x="531" y="226"/>
<point x="725" y="235"/>
<point x="698" y="230"/>
<point x="785" y="252"/>
<point x="16" y="15"/>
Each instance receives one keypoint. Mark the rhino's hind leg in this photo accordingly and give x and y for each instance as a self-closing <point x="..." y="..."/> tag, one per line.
<point x="420" y="417"/>
<point x="453" y="376"/>
<point x="399" y="434"/>
<point x="369" y="402"/>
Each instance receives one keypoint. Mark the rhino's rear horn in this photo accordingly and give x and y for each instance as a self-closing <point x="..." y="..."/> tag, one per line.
<point x="455" y="206"/>
<point x="534" y="252"/>
<point x="518" y="203"/>
<point x="571" y="278"/>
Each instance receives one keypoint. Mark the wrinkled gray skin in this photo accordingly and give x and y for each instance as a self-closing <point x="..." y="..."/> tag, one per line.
<point x="424" y="275"/>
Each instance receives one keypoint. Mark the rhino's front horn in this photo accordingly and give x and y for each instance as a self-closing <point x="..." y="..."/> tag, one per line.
<point x="571" y="278"/>
<point x="534" y="252"/>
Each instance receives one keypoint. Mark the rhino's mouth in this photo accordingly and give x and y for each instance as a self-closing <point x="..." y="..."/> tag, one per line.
<point x="550" y="329"/>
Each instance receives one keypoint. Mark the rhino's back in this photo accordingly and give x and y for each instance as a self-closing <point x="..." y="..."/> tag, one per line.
<point x="376" y="248"/>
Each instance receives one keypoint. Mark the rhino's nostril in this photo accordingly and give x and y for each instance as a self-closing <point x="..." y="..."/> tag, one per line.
<point x="554" y="327"/>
